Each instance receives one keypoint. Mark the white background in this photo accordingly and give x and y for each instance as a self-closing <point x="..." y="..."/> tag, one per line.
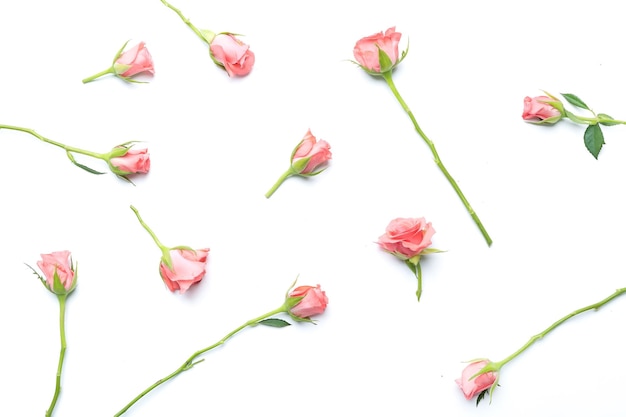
<point x="556" y="214"/>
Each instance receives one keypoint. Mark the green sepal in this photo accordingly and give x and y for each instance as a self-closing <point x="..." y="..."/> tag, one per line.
<point x="42" y="279"/>
<point x="120" y="69"/>
<point x="166" y="258"/>
<point x="549" y="120"/>
<point x="119" y="53"/>
<point x="384" y="61"/>
<point x="86" y="168"/>
<point x="131" y="80"/>
<point x="312" y="174"/>
<point x="299" y="165"/>
<point x="431" y="250"/>
<point x="575" y="101"/>
<point x="594" y="139"/>
<point x="412" y="263"/>
<point x="273" y="322"/>
<point x="184" y="248"/>
<point x="208" y="35"/>
<point x="605" y="122"/>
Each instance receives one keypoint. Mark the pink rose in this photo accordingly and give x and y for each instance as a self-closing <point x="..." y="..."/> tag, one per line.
<point x="135" y="161"/>
<point x="366" y="50"/>
<point x="474" y="386"/>
<point x="134" y="61"/>
<point x="234" y="55"/>
<point x="314" y="301"/>
<point x="311" y="153"/>
<point x="188" y="268"/>
<point x="537" y="108"/>
<point x="406" y="238"/>
<point x="59" y="264"/>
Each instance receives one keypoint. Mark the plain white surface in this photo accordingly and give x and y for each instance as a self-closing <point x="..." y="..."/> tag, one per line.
<point x="555" y="214"/>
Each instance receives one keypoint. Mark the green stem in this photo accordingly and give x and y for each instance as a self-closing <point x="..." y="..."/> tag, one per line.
<point x="277" y="184"/>
<point x="187" y="22"/>
<point x="52" y="142"/>
<point x="189" y="363"/>
<point x="57" y="389"/>
<point x="163" y="248"/>
<point x="98" y="75"/>
<point x="497" y="365"/>
<point x="418" y="274"/>
<point x="431" y="145"/>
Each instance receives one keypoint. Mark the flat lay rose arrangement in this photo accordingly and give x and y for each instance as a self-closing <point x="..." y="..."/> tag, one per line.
<point x="180" y="267"/>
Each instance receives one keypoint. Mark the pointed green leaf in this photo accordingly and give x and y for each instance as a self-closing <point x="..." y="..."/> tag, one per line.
<point x="575" y="101"/>
<point x="481" y="396"/>
<point x="594" y="139"/>
<point x="86" y="168"/>
<point x="275" y="323"/>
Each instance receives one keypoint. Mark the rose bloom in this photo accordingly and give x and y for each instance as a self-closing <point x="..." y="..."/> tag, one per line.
<point x="473" y="387"/>
<point x="134" y="61"/>
<point x="135" y="161"/>
<point x="188" y="266"/>
<point x="234" y="55"/>
<point x="60" y="263"/>
<point x="366" y="49"/>
<point x="536" y="108"/>
<point x="407" y="238"/>
<point x="310" y="147"/>
<point x="314" y="301"/>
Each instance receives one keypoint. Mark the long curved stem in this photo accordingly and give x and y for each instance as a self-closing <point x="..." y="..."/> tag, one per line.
<point x="595" y="306"/>
<point x="189" y="363"/>
<point x="278" y="183"/>
<point x="187" y="22"/>
<point x="442" y="168"/>
<point x="55" y="143"/>
<point x="57" y="389"/>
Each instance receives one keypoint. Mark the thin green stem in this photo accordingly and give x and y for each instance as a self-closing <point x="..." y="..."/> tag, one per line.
<point x="57" y="389"/>
<point x="187" y="22"/>
<point x="189" y="363"/>
<point x="98" y="75"/>
<point x="145" y="226"/>
<point x="418" y="274"/>
<point x="595" y="306"/>
<point x="442" y="168"/>
<point x="277" y="184"/>
<point x="52" y="142"/>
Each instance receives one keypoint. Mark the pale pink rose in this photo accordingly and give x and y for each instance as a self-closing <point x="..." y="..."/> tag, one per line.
<point x="474" y="386"/>
<point x="134" y="61"/>
<point x="188" y="268"/>
<point x="318" y="152"/>
<point x="537" y="108"/>
<point x="407" y="238"/>
<point x="366" y="49"/>
<point x="234" y="55"/>
<point x="314" y="301"/>
<point x="135" y="161"/>
<point x="60" y="263"/>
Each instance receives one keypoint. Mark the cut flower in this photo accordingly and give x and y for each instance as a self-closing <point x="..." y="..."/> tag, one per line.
<point x="127" y="64"/>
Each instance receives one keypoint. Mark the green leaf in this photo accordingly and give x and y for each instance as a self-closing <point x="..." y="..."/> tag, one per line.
<point x="86" y="168"/>
<point x="594" y="139"/>
<point x="275" y="323"/>
<point x="481" y="396"/>
<point x="607" y="122"/>
<point x="575" y="101"/>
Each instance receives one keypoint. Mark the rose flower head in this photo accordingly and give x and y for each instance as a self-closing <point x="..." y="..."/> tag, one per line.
<point x="127" y="64"/>
<point x="310" y="155"/>
<point x="378" y="53"/>
<point x="407" y="238"/>
<point x="306" y="301"/>
<point x="59" y="275"/>
<point x="124" y="160"/>
<point x="542" y="109"/>
<point x="472" y="384"/>
<point x="229" y="52"/>
<point x="134" y="61"/>
<point x="184" y="268"/>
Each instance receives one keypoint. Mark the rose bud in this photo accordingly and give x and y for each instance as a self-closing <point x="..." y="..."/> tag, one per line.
<point x="187" y="267"/>
<point x="378" y="53"/>
<point x="474" y="386"/>
<point x="59" y="273"/>
<point x="541" y="110"/>
<point x="232" y="54"/>
<point x="309" y="301"/>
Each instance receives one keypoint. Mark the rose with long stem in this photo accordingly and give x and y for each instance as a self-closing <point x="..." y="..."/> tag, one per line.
<point x="378" y="56"/>
<point x="482" y="375"/>
<point x="122" y="160"/>
<point x="300" y="303"/>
